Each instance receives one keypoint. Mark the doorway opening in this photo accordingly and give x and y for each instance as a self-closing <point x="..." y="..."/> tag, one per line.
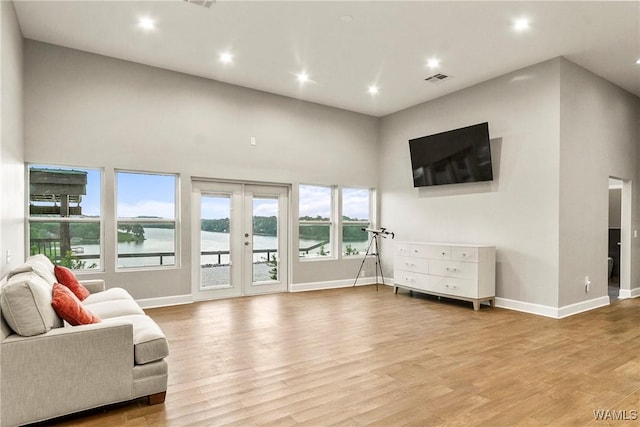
<point x="614" y="238"/>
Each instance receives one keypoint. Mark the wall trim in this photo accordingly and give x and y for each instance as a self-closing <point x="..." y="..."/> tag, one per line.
<point x="582" y="306"/>
<point x="165" y="301"/>
<point x="553" y="312"/>
<point x="332" y="284"/>
<point x="629" y="293"/>
<point x="299" y="287"/>
<point x="527" y="307"/>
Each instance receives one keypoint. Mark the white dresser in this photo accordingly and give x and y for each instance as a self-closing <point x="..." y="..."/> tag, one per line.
<point x="465" y="272"/>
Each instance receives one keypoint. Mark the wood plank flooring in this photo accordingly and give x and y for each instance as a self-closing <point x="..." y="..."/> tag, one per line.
<point x="355" y="357"/>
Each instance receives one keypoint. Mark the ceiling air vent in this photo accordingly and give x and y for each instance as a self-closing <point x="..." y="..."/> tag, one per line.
<point x="203" y="3"/>
<point x="436" y="78"/>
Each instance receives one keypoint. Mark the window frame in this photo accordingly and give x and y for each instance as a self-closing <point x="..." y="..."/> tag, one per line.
<point x="100" y="220"/>
<point x="331" y="223"/>
<point x="336" y="222"/>
<point x="370" y="223"/>
<point x="175" y="222"/>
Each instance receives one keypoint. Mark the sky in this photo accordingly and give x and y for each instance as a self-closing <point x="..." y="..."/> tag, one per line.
<point x="154" y="195"/>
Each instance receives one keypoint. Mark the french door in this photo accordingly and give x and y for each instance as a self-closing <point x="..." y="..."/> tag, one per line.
<point x="240" y="239"/>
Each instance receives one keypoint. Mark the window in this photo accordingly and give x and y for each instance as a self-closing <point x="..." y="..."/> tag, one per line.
<point x="356" y="215"/>
<point x="146" y="219"/>
<point x="65" y="215"/>
<point x="315" y="226"/>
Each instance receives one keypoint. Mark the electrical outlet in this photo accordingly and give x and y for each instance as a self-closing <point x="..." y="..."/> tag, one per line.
<point x="587" y="284"/>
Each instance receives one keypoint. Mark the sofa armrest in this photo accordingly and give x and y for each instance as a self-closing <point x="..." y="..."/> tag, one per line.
<point x="94" y="285"/>
<point x="66" y="370"/>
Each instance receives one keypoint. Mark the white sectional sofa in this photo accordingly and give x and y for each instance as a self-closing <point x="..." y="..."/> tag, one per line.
<point x="50" y="369"/>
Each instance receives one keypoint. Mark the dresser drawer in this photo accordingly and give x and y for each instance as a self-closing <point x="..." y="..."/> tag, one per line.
<point x="456" y="269"/>
<point x="431" y="251"/>
<point x="411" y="280"/>
<point x="467" y="254"/>
<point x="420" y="265"/>
<point x="453" y="286"/>
<point x="403" y="249"/>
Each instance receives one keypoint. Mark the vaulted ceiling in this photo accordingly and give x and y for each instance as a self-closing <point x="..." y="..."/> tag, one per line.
<point x="345" y="48"/>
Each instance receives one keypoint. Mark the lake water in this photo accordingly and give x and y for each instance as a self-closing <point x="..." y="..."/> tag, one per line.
<point x="162" y="240"/>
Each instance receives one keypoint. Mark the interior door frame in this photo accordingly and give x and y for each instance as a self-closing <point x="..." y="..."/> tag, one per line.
<point x="627" y="236"/>
<point x="240" y="278"/>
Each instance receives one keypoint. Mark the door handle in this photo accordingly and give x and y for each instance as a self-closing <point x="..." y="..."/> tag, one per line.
<point x="246" y="243"/>
<point x="619" y="243"/>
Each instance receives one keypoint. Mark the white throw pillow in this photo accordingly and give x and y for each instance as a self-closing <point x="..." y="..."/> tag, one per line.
<point x="26" y="305"/>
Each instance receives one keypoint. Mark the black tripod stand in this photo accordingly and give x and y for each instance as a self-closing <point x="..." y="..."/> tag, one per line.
<point x="374" y="242"/>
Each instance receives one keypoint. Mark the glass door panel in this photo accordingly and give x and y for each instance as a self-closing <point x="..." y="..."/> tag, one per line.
<point x="265" y="262"/>
<point x="215" y="242"/>
<point x="265" y="239"/>
<point x="216" y="245"/>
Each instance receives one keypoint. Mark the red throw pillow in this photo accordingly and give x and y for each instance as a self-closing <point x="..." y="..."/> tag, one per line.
<point x="67" y="278"/>
<point x="69" y="307"/>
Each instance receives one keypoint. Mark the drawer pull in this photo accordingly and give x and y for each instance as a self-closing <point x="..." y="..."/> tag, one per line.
<point x="443" y="253"/>
<point x="464" y="254"/>
<point x="451" y="269"/>
<point x="451" y="286"/>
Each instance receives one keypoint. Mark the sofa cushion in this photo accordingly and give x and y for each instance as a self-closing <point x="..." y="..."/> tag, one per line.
<point x="149" y="342"/>
<point x="42" y="266"/>
<point x="114" y="308"/>
<point x="108" y="295"/>
<point x="66" y="277"/>
<point x="69" y="307"/>
<point x="26" y="304"/>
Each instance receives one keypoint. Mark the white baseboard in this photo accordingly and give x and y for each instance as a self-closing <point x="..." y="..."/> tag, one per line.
<point x="553" y="312"/>
<point x="629" y="293"/>
<point x="580" y="307"/>
<point x="527" y="307"/>
<point x="165" y="301"/>
<point x="334" y="284"/>
<point x="299" y="287"/>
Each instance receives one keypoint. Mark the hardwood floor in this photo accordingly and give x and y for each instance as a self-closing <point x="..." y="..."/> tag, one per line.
<point x="354" y="356"/>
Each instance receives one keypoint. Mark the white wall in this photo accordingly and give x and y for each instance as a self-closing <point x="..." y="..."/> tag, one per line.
<point x="518" y="211"/>
<point x="599" y="138"/>
<point x="11" y="140"/>
<point x="88" y="110"/>
<point x="558" y="133"/>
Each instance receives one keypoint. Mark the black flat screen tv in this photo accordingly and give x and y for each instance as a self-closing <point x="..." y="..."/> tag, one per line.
<point x="452" y="157"/>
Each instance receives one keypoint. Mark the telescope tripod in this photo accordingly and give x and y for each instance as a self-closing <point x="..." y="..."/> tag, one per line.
<point x="373" y="242"/>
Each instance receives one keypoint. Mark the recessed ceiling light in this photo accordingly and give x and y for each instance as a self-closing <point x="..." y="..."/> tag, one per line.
<point x="521" y="24"/>
<point x="226" y="57"/>
<point x="373" y="89"/>
<point x="433" y="63"/>
<point x="302" y="77"/>
<point x="146" y="23"/>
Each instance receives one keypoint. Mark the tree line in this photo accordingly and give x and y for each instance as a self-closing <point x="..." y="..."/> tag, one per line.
<point x="89" y="233"/>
